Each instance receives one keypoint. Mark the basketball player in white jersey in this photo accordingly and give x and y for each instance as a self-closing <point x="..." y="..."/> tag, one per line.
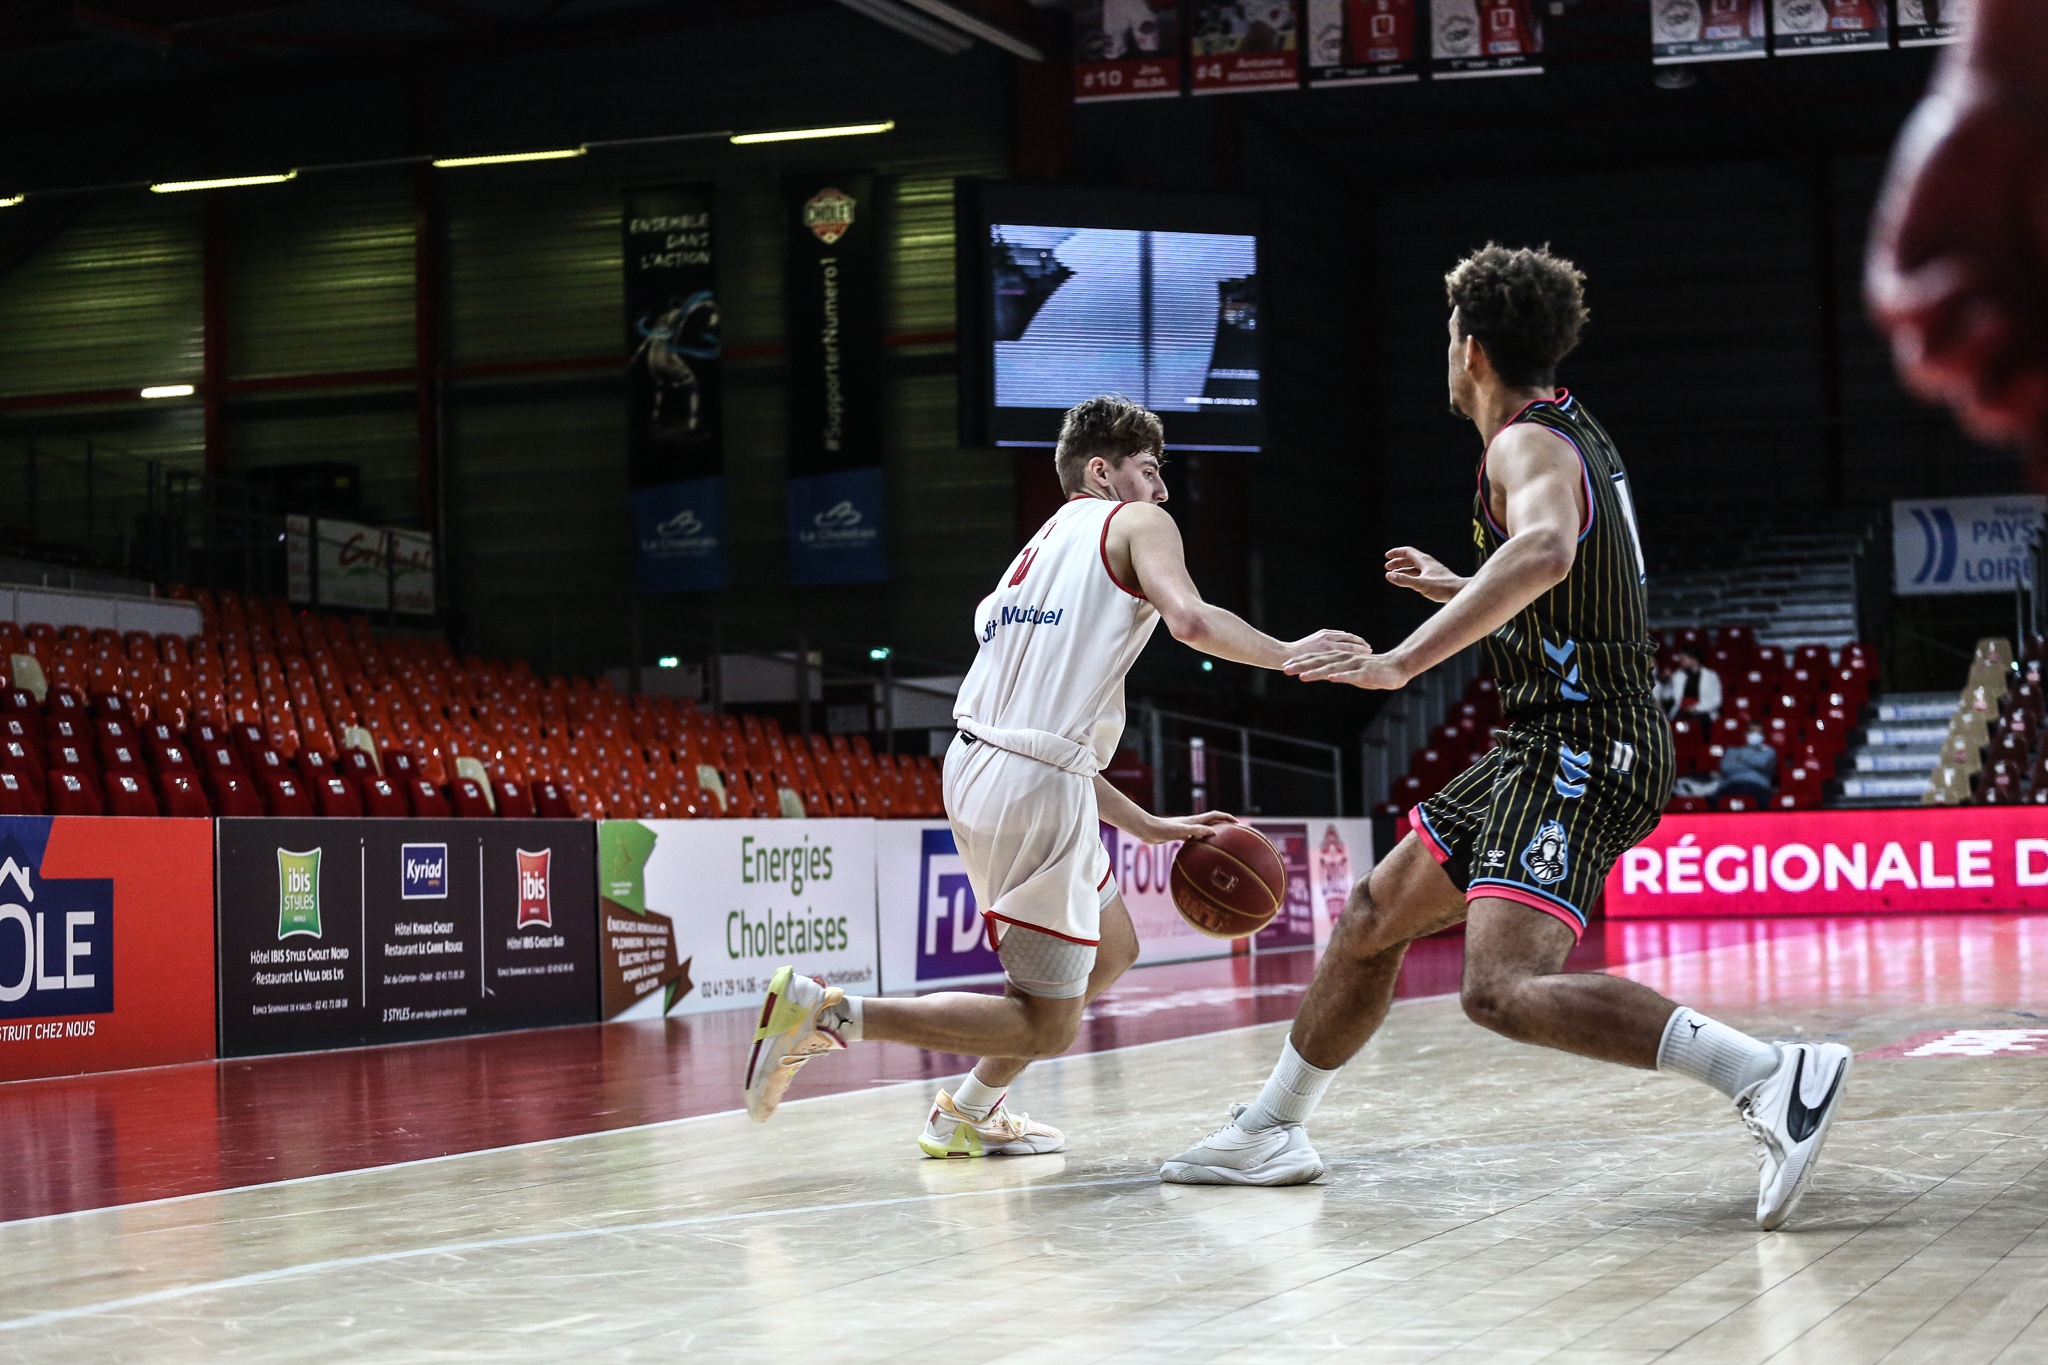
<point x="1038" y="716"/>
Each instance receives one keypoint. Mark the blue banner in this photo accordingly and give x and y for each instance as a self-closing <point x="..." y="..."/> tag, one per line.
<point x="838" y="528"/>
<point x="679" y="536"/>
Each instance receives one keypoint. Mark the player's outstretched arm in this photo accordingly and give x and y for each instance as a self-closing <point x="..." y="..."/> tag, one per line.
<point x="1142" y="825"/>
<point x="1146" y="538"/>
<point x="1539" y="475"/>
<point x="1408" y="567"/>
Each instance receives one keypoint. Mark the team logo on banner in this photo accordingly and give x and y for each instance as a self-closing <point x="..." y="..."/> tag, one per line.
<point x="423" y="872"/>
<point x="533" y="888"/>
<point x="298" y="893"/>
<point x="951" y="939"/>
<point x="828" y="214"/>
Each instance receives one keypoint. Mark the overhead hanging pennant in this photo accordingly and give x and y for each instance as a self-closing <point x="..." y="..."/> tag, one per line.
<point x="1469" y="38"/>
<point x="675" y="428"/>
<point x="1362" y="42"/>
<point x="1931" y="23"/>
<point x="833" y="341"/>
<point x="1239" y="45"/>
<point x="1707" y="31"/>
<point x="1126" y="50"/>
<point x="1799" y="27"/>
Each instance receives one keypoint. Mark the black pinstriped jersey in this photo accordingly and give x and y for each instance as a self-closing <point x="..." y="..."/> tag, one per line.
<point x="1587" y="640"/>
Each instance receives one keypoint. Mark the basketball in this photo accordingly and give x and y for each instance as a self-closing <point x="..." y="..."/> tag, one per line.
<point x="1229" y="885"/>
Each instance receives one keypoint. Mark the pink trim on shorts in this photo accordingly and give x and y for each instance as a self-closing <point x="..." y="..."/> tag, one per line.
<point x="1495" y="891"/>
<point x="1419" y="822"/>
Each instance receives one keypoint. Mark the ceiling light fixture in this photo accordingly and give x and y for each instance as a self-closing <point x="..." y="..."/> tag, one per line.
<point x="168" y="391"/>
<point x="507" y="158"/>
<point x="802" y="134"/>
<point x="11" y="202"/>
<point x="226" y="183"/>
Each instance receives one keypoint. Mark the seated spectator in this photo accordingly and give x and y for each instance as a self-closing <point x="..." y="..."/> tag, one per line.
<point x="1751" y="770"/>
<point x="1690" y="689"/>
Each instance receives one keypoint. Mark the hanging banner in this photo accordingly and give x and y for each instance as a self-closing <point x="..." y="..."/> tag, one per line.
<point x="675" y="429"/>
<point x="1942" y="546"/>
<point x="1362" y="42"/>
<point x="1470" y="38"/>
<point x="838" y="531"/>
<point x="1126" y="50"/>
<point x="1707" y="31"/>
<point x="1931" y="23"/>
<point x="1244" y="45"/>
<point x="1805" y="26"/>
<point x="364" y="568"/>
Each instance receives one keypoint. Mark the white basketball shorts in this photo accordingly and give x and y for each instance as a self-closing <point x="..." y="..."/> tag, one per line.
<point x="1031" y="841"/>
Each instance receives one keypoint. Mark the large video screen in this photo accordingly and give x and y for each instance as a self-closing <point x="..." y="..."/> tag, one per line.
<point x="1068" y="293"/>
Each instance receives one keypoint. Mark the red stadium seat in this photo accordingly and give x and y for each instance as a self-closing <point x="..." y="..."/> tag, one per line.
<point x="335" y="796"/>
<point x="514" y="803"/>
<point x="470" y="800"/>
<point x="128" y="793"/>
<point x="427" y="800"/>
<point x="182" y="795"/>
<point x="551" y="802"/>
<point x="73" y="792"/>
<point x="1733" y="804"/>
<point x="234" y="794"/>
<point x="19" y="794"/>
<point x="282" y="794"/>
<point x="384" y="800"/>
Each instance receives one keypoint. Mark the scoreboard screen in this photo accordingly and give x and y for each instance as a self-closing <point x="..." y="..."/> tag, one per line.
<point x="1066" y="293"/>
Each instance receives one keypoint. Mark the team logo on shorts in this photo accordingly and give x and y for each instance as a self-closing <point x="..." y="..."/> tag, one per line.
<point x="1548" y="856"/>
<point x="1572" y="771"/>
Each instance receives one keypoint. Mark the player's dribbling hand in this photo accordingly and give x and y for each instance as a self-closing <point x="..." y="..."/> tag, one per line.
<point x="1359" y="667"/>
<point x="1408" y="567"/>
<point x="1190" y="827"/>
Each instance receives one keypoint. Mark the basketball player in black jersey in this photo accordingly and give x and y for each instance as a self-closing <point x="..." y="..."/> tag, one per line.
<point x="1519" y="844"/>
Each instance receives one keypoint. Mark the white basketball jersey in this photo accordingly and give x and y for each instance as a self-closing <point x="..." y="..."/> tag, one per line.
<point x="1058" y="635"/>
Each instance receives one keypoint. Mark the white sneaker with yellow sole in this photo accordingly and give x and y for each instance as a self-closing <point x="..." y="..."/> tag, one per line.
<point x="950" y="1133"/>
<point x="787" y="1036"/>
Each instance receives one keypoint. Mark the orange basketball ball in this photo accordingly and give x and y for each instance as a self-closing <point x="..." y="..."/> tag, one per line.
<point x="1229" y="885"/>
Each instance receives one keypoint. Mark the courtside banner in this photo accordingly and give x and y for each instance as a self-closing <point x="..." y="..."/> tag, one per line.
<point x="1963" y="545"/>
<point x="1707" y="31"/>
<point x="1323" y="858"/>
<point x="1469" y="38"/>
<point x="675" y="427"/>
<point x="1126" y="50"/>
<point x="106" y="944"/>
<point x="696" y="915"/>
<point x="1361" y="42"/>
<point x="1836" y="863"/>
<point x="335" y="933"/>
<point x="1799" y="27"/>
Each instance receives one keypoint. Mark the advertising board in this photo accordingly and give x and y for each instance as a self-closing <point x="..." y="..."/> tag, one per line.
<point x="931" y="929"/>
<point x="698" y="914"/>
<point x="1963" y="545"/>
<point x="106" y="944"/>
<point x="336" y="933"/>
<point x="1848" y="862"/>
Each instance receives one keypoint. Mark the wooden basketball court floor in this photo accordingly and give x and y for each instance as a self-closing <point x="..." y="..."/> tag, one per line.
<point x="588" y="1195"/>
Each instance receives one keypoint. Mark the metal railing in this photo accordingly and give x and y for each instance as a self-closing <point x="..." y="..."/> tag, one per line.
<point x="1200" y="763"/>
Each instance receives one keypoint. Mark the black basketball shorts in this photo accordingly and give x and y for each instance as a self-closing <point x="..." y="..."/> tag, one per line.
<point x="1543" y="816"/>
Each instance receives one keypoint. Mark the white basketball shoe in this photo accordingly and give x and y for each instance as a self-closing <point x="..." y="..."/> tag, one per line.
<point x="787" y="1036"/>
<point x="1232" y="1156"/>
<point x="1789" y="1112"/>
<point x="950" y="1133"/>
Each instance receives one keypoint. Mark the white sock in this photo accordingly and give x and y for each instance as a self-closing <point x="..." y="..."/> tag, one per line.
<point x="1291" y="1094"/>
<point x="1707" y="1050"/>
<point x="975" y="1100"/>
<point x="843" y="1018"/>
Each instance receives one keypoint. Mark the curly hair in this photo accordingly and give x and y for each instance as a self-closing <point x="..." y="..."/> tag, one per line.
<point x="1525" y="306"/>
<point x="1109" y="425"/>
